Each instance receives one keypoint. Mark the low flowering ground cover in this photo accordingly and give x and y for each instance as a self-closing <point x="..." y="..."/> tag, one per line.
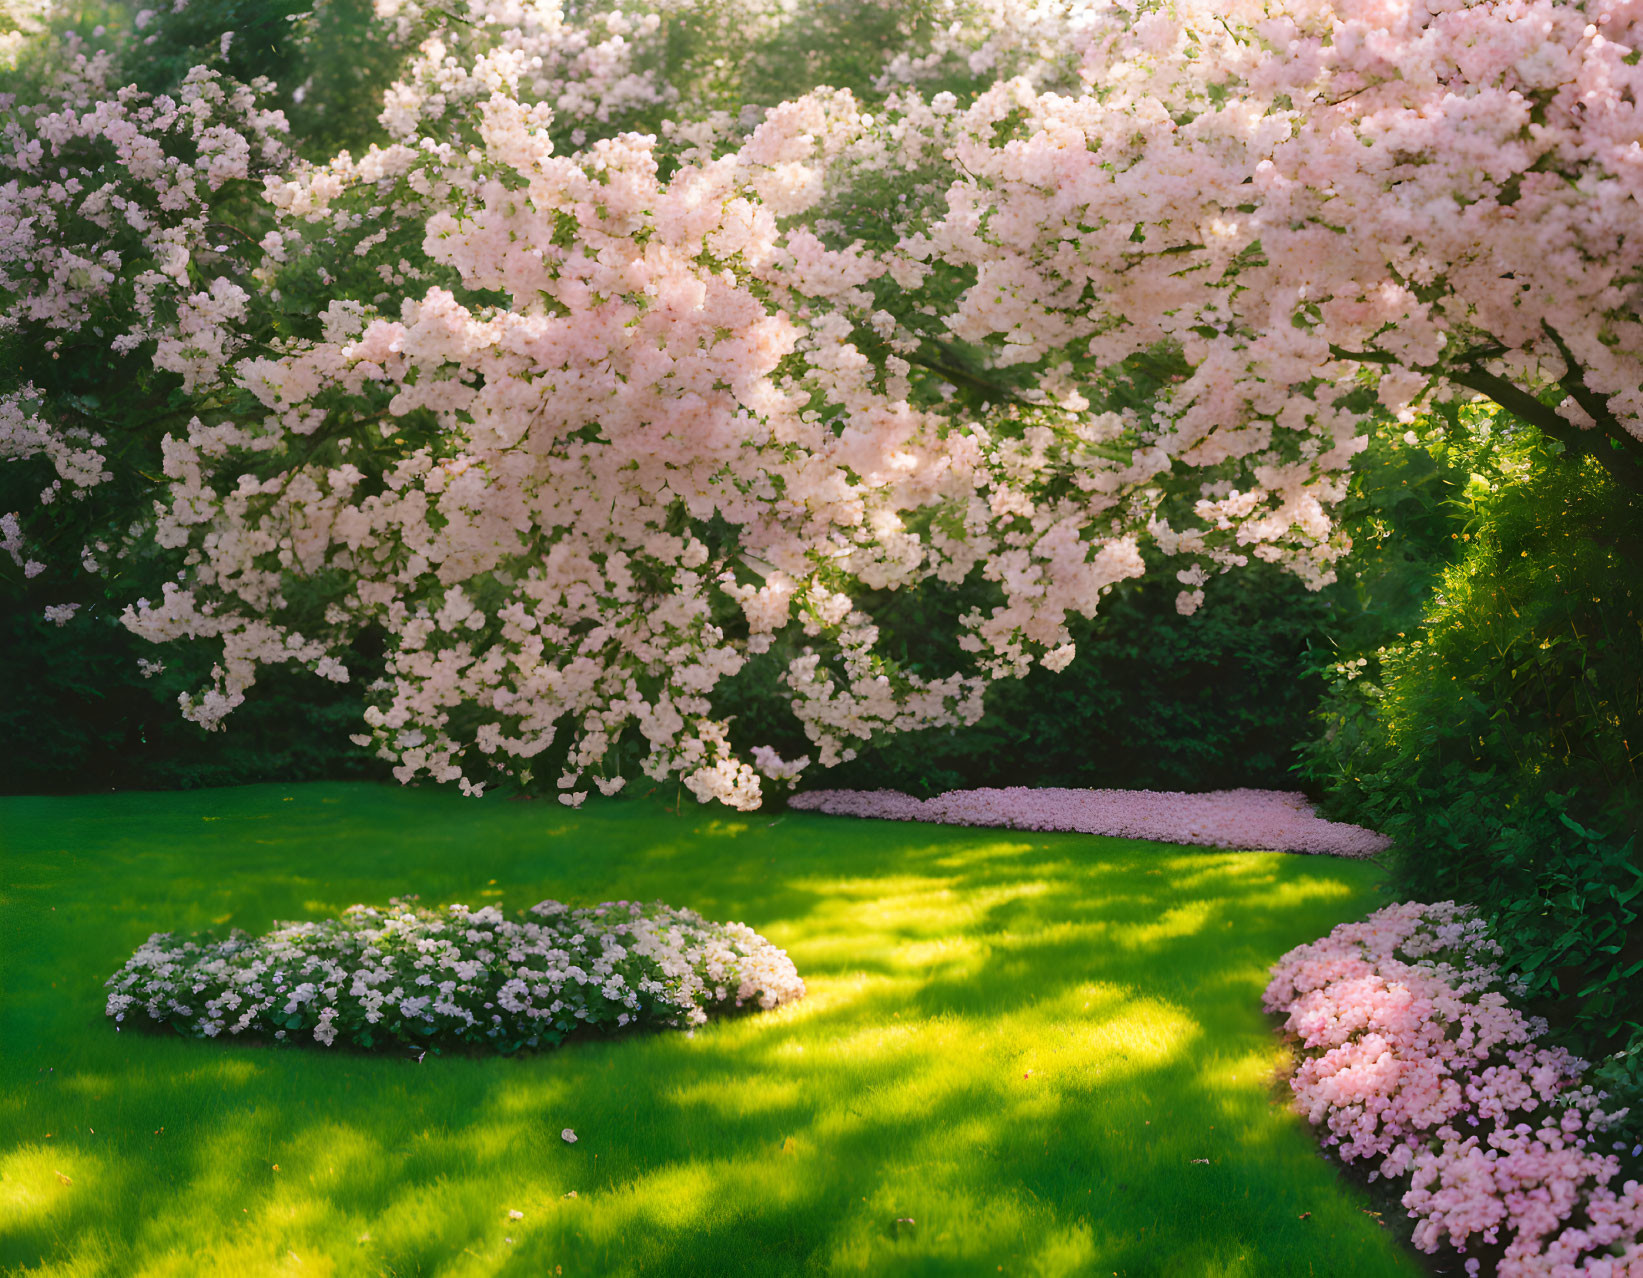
<point x="1415" y="1059"/>
<point x="1026" y="1044"/>
<point x="417" y="977"/>
<point x="1272" y="819"/>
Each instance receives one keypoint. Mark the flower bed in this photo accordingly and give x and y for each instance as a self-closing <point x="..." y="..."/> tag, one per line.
<point x="1414" y="1060"/>
<point x="1269" y="819"/>
<point x="414" y="976"/>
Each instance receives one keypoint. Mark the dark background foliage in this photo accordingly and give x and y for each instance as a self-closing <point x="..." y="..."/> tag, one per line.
<point x="327" y="59"/>
<point x="1154" y="700"/>
<point x="82" y="717"/>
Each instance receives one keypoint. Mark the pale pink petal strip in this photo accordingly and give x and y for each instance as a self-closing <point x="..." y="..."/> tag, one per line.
<point x="1275" y="820"/>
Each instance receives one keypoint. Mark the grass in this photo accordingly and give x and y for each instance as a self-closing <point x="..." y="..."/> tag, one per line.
<point x="1020" y="1042"/>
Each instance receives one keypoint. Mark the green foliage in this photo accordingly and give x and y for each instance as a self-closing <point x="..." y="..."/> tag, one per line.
<point x="329" y="60"/>
<point x="842" y="44"/>
<point x="1406" y="526"/>
<point x="1154" y="700"/>
<point x="1620" y="1074"/>
<point x="90" y="720"/>
<point x="1495" y="741"/>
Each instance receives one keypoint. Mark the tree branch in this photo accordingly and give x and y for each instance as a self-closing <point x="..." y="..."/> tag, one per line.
<point x="1595" y="443"/>
<point x="1607" y="442"/>
<point x="1574" y="381"/>
<point x="955" y="374"/>
<point x="1365" y="357"/>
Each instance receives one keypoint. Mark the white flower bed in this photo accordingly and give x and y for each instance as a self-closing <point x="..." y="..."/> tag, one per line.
<point x="415" y="976"/>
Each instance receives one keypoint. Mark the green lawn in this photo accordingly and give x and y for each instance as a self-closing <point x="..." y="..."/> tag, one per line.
<point x="1022" y="1042"/>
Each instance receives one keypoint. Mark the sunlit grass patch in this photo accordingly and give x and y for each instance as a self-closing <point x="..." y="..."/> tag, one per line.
<point x="1019" y="1044"/>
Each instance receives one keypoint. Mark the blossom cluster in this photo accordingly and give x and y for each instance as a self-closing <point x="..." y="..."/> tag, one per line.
<point x="416" y="976"/>
<point x="108" y="205"/>
<point x="690" y="430"/>
<point x="112" y="237"/>
<point x="1414" y="1060"/>
<point x="559" y="551"/>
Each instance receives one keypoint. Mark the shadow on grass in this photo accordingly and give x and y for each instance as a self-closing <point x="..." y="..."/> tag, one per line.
<point x="1021" y="1043"/>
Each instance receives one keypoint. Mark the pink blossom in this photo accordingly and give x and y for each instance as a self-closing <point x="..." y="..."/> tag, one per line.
<point x="1414" y="1059"/>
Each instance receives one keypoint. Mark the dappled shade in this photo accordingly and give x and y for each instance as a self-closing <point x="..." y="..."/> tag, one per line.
<point x="1021" y="1043"/>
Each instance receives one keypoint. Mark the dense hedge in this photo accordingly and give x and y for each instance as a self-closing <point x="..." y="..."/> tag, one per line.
<point x="1154" y="700"/>
<point x="1498" y="743"/>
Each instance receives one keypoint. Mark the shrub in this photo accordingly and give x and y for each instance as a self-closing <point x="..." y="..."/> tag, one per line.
<point x="1495" y="743"/>
<point x="1415" y="1061"/>
<point x="1527" y="666"/>
<point x="418" y="977"/>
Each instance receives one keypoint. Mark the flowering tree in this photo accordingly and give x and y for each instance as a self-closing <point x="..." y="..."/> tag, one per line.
<point x="578" y="417"/>
<point x="120" y="242"/>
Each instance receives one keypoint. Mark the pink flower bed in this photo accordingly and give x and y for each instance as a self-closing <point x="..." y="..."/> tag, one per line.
<point x="1413" y="1058"/>
<point x="1268" y="819"/>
